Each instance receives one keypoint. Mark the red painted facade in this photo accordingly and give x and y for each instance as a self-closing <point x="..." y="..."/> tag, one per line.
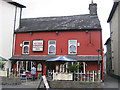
<point x="82" y="37"/>
<point x="88" y="44"/>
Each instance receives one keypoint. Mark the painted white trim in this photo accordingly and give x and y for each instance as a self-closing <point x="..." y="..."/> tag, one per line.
<point x="72" y="63"/>
<point x="24" y="46"/>
<point x="63" y="68"/>
<point x="14" y="43"/>
<point x="78" y="67"/>
<point x="70" y="45"/>
<point x="17" y="66"/>
<point x="52" y="45"/>
<point x="84" y="67"/>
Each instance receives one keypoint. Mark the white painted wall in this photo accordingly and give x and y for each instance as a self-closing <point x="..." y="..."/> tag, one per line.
<point x="7" y="17"/>
<point x="114" y="41"/>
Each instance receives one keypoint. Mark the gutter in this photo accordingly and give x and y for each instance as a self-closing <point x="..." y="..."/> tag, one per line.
<point x="112" y="11"/>
<point x="15" y="3"/>
<point x="98" y="29"/>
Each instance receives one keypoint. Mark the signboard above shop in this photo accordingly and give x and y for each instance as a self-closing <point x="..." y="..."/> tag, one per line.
<point x="37" y="45"/>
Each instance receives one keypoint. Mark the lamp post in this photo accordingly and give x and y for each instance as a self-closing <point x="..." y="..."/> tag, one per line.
<point x="98" y="62"/>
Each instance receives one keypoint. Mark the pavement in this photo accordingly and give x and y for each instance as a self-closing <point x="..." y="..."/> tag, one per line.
<point x="109" y="83"/>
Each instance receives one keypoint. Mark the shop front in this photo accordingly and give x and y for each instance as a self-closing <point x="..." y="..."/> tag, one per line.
<point x="54" y="67"/>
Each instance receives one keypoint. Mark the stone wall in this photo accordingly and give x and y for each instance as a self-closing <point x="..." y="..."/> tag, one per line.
<point x="11" y="81"/>
<point x="72" y="84"/>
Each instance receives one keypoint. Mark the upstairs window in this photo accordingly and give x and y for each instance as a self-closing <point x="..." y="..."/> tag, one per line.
<point x="25" y="47"/>
<point x="72" y="47"/>
<point x="52" y="47"/>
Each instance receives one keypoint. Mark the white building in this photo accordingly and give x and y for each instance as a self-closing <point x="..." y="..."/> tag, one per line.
<point x="10" y="14"/>
<point x="114" y="21"/>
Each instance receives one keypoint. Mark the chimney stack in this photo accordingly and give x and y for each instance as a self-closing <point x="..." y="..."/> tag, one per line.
<point x="93" y="8"/>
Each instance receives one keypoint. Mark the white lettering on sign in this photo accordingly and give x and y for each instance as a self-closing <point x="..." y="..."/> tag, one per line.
<point x="45" y="81"/>
<point x="37" y="45"/>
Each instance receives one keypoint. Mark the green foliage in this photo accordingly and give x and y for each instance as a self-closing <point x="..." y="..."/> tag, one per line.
<point x="2" y="65"/>
<point x="72" y="68"/>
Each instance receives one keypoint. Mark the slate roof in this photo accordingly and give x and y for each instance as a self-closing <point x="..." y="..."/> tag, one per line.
<point x="61" y="23"/>
<point x="47" y="57"/>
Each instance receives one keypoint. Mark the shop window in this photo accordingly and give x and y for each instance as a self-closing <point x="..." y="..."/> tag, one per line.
<point x="39" y="67"/>
<point x="62" y="68"/>
<point x="72" y="47"/>
<point x="26" y="47"/>
<point x="52" y="47"/>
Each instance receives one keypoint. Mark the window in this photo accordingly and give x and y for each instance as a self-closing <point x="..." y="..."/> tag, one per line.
<point x="26" y="47"/>
<point x="52" y="47"/>
<point x="39" y="67"/>
<point x="72" y="47"/>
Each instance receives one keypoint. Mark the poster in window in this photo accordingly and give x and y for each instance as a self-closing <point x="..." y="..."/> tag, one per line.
<point x="37" y="45"/>
<point x="39" y="67"/>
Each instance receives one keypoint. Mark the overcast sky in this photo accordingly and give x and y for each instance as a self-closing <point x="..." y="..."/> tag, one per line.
<point x="47" y="8"/>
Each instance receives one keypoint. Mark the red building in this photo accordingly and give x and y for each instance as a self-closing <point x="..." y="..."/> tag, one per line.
<point x="77" y="37"/>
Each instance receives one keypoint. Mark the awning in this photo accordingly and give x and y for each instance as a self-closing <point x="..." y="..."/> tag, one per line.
<point x="3" y="59"/>
<point x="48" y="57"/>
<point x="61" y="58"/>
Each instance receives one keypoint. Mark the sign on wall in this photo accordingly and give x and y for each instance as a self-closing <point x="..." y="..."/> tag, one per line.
<point x="37" y="45"/>
<point x="62" y="76"/>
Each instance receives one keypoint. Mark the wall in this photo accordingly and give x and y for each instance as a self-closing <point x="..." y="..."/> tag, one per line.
<point x="114" y="41"/>
<point x="7" y="17"/>
<point x="90" y="66"/>
<point x="62" y="38"/>
<point x="108" y="58"/>
<point x="119" y="39"/>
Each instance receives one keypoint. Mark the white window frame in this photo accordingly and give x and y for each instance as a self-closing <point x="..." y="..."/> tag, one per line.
<point x="70" y="45"/>
<point x="39" y="67"/>
<point x="24" y="46"/>
<point x="51" y="45"/>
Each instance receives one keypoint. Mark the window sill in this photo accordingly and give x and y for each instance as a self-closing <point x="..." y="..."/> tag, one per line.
<point x="25" y="54"/>
<point x="52" y="54"/>
<point x="72" y="54"/>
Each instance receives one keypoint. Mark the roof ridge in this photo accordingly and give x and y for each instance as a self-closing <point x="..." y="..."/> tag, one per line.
<point x="56" y="16"/>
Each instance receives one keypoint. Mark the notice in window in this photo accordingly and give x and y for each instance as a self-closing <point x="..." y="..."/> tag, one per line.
<point x="37" y="45"/>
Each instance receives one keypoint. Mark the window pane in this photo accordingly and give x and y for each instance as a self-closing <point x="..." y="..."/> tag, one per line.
<point x="52" y="42"/>
<point x="51" y="49"/>
<point x="26" y="49"/>
<point x="26" y="43"/>
<point x="72" y="49"/>
<point x="73" y="41"/>
<point x="39" y="67"/>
